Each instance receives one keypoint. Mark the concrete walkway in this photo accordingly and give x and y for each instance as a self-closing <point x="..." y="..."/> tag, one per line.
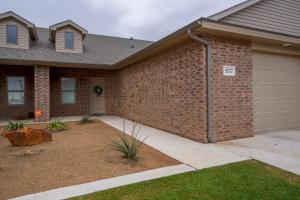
<point x="280" y="149"/>
<point x="189" y="152"/>
<point x="87" y="188"/>
<point x="33" y="121"/>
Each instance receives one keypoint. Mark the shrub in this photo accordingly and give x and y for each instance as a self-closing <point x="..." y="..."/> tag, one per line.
<point x="129" y="146"/>
<point x="85" y="119"/>
<point x="13" y="126"/>
<point x="57" y="125"/>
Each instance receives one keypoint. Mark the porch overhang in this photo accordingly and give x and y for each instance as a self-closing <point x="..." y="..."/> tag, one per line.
<point x="22" y="62"/>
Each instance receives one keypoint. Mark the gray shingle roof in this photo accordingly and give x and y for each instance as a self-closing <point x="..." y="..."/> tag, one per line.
<point x="97" y="50"/>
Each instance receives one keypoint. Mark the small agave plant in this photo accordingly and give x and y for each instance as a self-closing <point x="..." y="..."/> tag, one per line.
<point x="130" y="146"/>
<point x="56" y="125"/>
<point x="13" y="126"/>
<point x="85" y="119"/>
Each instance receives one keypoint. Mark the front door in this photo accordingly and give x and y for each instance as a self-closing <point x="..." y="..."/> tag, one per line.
<point x="97" y="96"/>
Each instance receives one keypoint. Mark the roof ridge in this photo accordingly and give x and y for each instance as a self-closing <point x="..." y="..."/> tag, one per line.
<point x="101" y="35"/>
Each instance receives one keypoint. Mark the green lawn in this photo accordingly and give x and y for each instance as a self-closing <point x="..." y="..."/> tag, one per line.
<point x="244" y="180"/>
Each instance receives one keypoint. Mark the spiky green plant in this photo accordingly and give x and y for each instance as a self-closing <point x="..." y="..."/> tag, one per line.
<point x="13" y="126"/>
<point x="130" y="146"/>
<point x="85" y="119"/>
<point x="56" y="125"/>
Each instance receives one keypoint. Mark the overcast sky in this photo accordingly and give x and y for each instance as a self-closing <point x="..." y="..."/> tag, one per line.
<point x="143" y="19"/>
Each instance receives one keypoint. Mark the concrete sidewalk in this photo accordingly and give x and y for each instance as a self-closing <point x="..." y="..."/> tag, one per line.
<point x="189" y="152"/>
<point x="87" y="188"/>
<point x="279" y="148"/>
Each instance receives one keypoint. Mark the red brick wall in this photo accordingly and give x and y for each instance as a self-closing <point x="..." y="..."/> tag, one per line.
<point x="232" y="96"/>
<point x="82" y="105"/>
<point x="167" y="91"/>
<point x="16" y="111"/>
<point x="42" y="91"/>
<point x="173" y="89"/>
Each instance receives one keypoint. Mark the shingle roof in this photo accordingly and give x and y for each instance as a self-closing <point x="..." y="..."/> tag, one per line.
<point x="97" y="50"/>
<point x="29" y="25"/>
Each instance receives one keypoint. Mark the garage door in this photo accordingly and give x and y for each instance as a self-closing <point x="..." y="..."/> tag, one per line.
<point x="276" y="91"/>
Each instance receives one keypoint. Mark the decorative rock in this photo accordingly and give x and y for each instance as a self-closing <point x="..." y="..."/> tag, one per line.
<point x="28" y="137"/>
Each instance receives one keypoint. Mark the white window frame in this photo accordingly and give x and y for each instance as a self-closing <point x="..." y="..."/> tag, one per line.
<point x="69" y="32"/>
<point x="14" y="91"/>
<point x="10" y="43"/>
<point x="65" y="91"/>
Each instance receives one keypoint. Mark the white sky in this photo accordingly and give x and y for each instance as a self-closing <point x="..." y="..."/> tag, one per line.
<point x="143" y="19"/>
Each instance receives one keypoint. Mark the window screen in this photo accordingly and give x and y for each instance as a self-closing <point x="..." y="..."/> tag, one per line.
<point x="69" y="40"/>
<point x="15" y="88"/>
<point x="68" y="86"/>
<point x="11" y="34"/>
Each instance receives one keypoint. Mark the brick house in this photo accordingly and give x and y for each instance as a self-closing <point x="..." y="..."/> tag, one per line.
<point x="224" y="77"/>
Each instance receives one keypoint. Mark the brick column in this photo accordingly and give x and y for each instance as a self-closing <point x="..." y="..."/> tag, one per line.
<point x="42" y="91"/>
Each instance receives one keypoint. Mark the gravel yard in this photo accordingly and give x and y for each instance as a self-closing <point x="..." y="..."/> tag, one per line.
<point x="79" y="155"/>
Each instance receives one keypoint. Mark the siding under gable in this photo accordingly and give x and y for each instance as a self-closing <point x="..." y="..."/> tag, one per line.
<point x="23" y="34"/>
<point x="60" y="40"/>
<point x="280" y="16"/>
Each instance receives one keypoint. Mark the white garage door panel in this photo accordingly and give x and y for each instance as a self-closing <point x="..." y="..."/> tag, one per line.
<point x="276" y="91"/>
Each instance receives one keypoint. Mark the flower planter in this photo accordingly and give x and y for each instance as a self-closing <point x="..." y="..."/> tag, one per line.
<point x="28" y="137"/>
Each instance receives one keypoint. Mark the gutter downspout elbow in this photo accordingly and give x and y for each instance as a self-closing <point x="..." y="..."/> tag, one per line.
<point x="210" y="135"/>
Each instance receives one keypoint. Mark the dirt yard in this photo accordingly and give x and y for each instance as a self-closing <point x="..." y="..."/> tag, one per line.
<point x="79" y="155"/>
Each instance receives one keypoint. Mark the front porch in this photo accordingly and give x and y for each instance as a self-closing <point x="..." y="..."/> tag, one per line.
<point x="56" y="91"/>
<point x="63" y="119"/>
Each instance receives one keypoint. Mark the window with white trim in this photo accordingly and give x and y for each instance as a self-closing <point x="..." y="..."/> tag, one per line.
<point x="69" y="40"/>
<point x="68" y="87"/>
<point x="15" y="89"/>
<point x="11" y="34"/>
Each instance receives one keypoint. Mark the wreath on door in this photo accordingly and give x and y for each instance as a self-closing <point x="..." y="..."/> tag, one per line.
<point x="98" y="90"/>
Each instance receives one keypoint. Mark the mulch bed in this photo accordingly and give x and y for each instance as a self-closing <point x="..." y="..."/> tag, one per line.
<point x="78" y="155"/>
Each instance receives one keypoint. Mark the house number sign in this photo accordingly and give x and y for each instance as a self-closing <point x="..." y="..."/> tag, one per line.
<point x="229" y="70"/>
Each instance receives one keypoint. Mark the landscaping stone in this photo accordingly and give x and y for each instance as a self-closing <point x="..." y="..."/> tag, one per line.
<point x="28" y="137"/>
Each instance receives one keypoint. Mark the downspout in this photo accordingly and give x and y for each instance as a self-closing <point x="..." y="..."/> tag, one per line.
<point x="207" y="45"/>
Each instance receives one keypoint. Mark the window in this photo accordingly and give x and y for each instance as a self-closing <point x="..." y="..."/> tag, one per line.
<point x="68" y="86"/>
<point x="15" y="88"/>
<point x="11" y="34"/>
<point x="69" y="40"/>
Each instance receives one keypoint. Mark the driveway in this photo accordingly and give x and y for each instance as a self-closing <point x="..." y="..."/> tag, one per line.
<point x="281" y="149"/>
<point x="278" y="148"/>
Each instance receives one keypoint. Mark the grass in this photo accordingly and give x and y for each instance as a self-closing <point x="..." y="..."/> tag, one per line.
<point x="244" y="180"/>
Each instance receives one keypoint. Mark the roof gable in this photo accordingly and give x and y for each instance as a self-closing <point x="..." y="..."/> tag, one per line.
<point x="54" y="27"/>
<point x="30" y="26"/>
<point x="271" y="15"/>
<point x="233" y="9"/>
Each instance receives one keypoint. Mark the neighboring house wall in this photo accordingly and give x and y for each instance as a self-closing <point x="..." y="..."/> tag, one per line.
<point x="82" y="105"/>
<point x="23" y="34"/>
<point x="167" y="91"/>
<point x="60" y="40"/>
<point x="271" y="15"/>
<point x="173" y="95"/>
<point x="16" y="111"/>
